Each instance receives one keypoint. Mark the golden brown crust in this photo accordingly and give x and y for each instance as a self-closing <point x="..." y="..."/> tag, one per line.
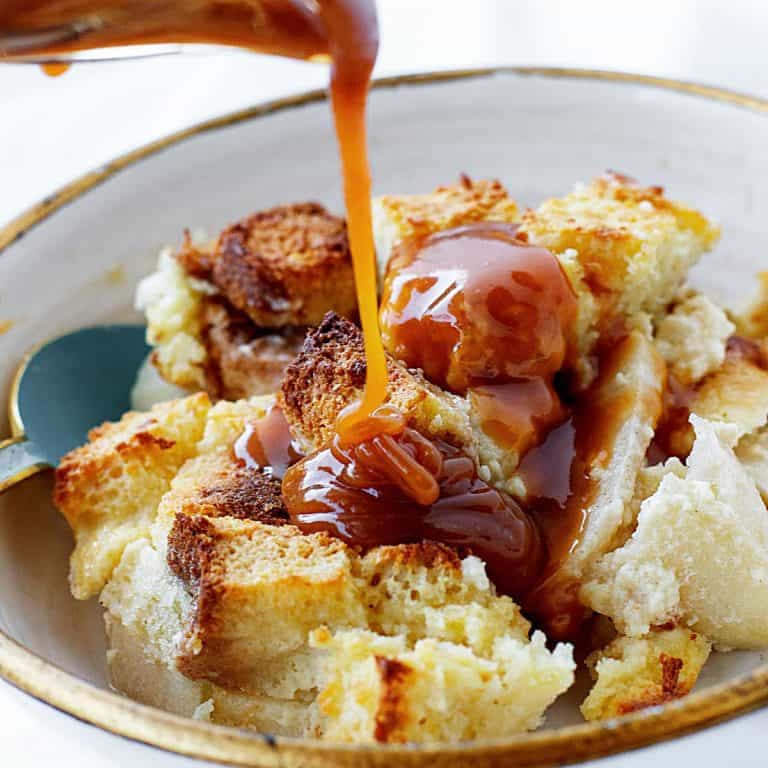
<point x="196" y="261"/>
<point x="194" y="555"/>
<point x="635" y="673"/>
<point x="424" y="554"/>
<point x="625" y="189"/>
<point x="239" y="492"/>
<point x="110" y="488"/>
<point x="449" y="206"/>
<point x="670" y="688"/>
<point x="190" y="547"/>
<point x="609" y="240"/>
<point x="284" y="266"/>
<point x="392" y="712"/>
<point x="84" y="465"/>
<point x="329" y="373"/>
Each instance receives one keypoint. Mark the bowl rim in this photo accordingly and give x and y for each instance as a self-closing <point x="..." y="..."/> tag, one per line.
<point x="121" y="716"/>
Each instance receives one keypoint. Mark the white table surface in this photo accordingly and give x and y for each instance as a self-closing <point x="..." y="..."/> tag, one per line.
<point x="52" y="130"/>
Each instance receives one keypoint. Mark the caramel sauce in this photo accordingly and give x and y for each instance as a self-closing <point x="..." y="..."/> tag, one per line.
<point x="54" y="68"/>
<point x="266" y="444"/>
<point x="518" y="414"/>
<point x="483" y="312"/>
<point x="560" y="477"/>
<point x="477" y="305"/>
<point x="395" y="489"/>
<point x="751" y="350"/>
<point x="674" y="434"/>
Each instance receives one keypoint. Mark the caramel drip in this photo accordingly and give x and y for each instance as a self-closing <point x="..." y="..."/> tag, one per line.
<point x="563" y="474"/>
<point x="353" y="56"/>
<point x="54" y="68"/>
<point x="266" y="444"/>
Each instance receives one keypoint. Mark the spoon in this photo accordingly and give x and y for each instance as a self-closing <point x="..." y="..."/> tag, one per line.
<point x="64" y="388"/>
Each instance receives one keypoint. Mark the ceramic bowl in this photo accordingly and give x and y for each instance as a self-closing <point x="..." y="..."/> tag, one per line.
<point x="74" y="260"/>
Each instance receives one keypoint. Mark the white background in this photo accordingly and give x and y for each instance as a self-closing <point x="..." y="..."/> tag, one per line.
<point x="52" y="130"/>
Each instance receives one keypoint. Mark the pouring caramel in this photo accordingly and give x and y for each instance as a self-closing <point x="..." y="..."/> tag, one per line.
<point x="342" y="31"/>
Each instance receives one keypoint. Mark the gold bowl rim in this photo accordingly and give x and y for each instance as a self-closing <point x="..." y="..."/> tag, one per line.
<point x="205" y="741"/>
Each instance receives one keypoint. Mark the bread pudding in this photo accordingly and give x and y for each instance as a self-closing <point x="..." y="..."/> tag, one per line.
<point x="598" y="447"/>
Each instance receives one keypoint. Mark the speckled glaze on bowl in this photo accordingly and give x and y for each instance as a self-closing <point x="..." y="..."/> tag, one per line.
<point x="74" y="259"/>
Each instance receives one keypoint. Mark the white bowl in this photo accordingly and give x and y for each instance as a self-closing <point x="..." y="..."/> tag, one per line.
<point x="75" y="259"/>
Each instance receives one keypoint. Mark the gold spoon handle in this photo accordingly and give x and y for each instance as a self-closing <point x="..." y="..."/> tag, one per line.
<point x="19" y="459"/>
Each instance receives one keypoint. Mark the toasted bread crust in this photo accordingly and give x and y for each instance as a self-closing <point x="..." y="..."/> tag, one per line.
<point x="635" y="673"/>
<point x="669" y="689"/>
<point x="224" y="488"/>
<point x="391" y="715"/>
<point x="284" y="266"/>
<point x="426" y="554"/>
<point x="191" y="543"/>
<point x="240" y="492"/>
<point x="143" y="449"/>
<point x="196" y="261"/>
<point x="618" y="229"/>
<point x="449" y="206"/>
<point x="329" y="373"/>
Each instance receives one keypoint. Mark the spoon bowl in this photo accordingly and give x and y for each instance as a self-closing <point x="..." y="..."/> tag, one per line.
<point x="64" y="388"/>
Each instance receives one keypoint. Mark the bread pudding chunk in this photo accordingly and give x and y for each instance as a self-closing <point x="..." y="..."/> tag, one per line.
<point x="699" y="552"/>
<point x="216" y="603"/>
<point x="633" y="673"/>
<point x="228" y="316"/>
<point x="283" y="266"/>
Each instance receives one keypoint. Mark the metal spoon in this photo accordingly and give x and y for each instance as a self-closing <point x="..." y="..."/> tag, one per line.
<point x="64" y="388"/>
